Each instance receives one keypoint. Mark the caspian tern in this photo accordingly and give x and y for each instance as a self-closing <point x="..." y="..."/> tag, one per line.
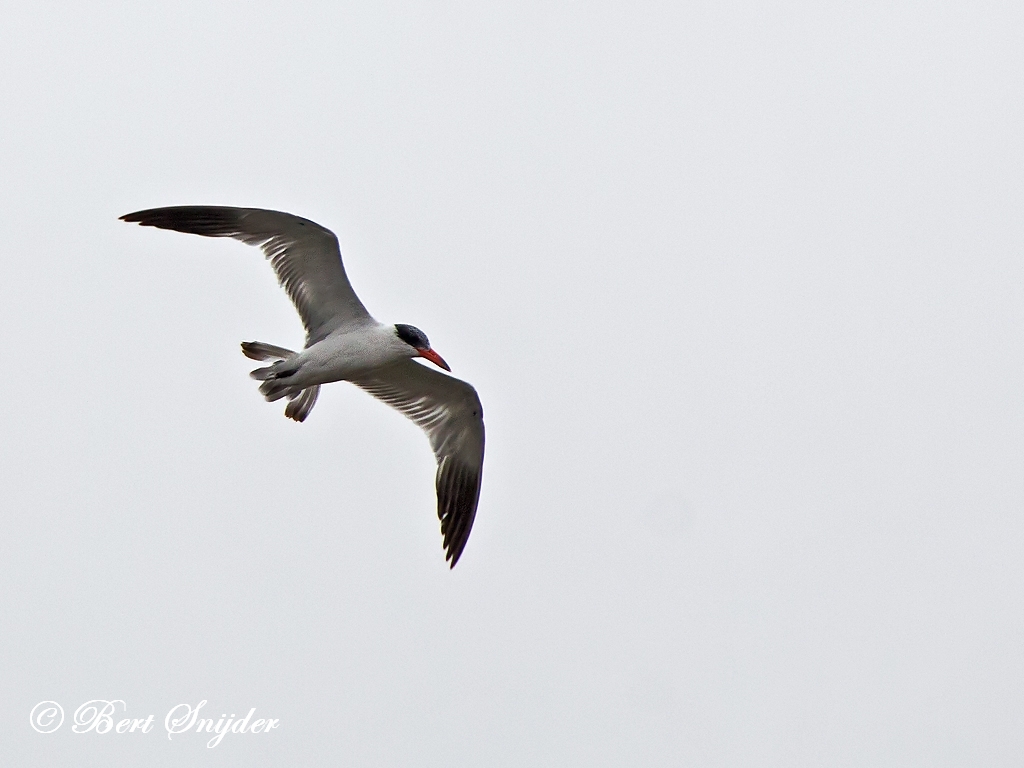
<point x="344" y="343"/>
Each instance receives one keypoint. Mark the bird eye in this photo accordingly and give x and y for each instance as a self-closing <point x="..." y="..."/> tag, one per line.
<point x="412" y="336"/>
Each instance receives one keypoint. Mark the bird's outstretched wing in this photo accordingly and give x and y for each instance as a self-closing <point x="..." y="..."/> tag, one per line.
<point x="304" y="255"/>
<point x="449" y="411"/>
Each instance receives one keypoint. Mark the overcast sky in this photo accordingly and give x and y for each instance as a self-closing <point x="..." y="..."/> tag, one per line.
<point x="740" y="287"/>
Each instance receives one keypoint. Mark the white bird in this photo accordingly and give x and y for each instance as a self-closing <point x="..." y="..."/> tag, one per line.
<point x="344" y="343"/>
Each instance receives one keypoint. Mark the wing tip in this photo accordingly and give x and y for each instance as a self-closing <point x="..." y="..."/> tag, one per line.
<point x="453" y="554"/>
<point x="455" y="514"/>
<point x="147" y="218"/>
<point x="457" y="518"/>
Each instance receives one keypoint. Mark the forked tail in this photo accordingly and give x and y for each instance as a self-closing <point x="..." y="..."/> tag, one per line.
<point x="275" y="379"/>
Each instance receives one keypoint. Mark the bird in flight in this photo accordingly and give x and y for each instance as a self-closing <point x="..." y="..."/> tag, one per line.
<point x="344" y="343"/>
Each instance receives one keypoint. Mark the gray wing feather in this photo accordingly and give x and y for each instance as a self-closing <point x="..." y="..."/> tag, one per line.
<point x="304" y="255"/>
<point x="449" y="411"/>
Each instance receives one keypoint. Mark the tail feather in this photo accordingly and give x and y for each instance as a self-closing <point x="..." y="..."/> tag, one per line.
<point x="258" y="350"/>
<point x="274" y="389"/>
<point x="276" y="371"/>
<point x="301" y="405"/>
<point x="275" y="379"/>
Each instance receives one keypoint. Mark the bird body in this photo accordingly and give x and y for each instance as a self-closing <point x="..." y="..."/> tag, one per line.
<point x="346" y="353"/>
<point x="345" y="343"/>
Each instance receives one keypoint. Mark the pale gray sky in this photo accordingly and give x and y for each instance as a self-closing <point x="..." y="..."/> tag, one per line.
<point x="740" y="286"/>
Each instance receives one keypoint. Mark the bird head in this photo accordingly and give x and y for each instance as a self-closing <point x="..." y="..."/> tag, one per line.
<point x="417" y="339"/>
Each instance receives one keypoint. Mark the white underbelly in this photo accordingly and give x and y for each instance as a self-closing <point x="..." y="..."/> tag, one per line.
<point x="341" y="357"/>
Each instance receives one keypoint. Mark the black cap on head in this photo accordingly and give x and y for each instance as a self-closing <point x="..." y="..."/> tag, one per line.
<point x="412" y="336"/>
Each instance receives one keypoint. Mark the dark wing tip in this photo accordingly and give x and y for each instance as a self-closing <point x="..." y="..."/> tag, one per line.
<point x="212" y="221"/>
<point x="151" y="216"/>
<point x="458" y="491"/>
